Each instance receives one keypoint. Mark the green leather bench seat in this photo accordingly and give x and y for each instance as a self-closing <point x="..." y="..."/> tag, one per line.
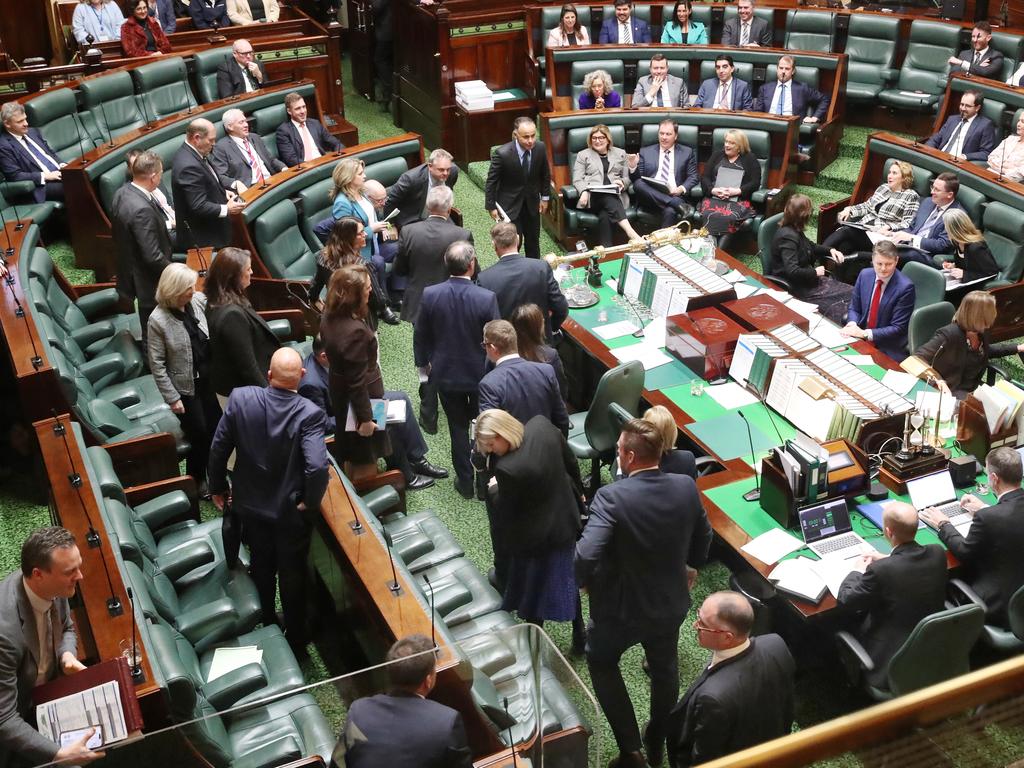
<point x="1012" y="47"/>
<point x="460" y="591"/>
<point x="280" y="243"/>
<point x="1004" y="233"/>
<point x="422" y="540"/>
<point x="265" y="123"/>
<point x="870" y="50"/>
<point x="27" y="208"/>
<point x="163" y="87"/>
<point x="922" y="78"/>
<point x="109" y="106"/>
<point x="810" y="31"/>
<point x="55" y="114"/>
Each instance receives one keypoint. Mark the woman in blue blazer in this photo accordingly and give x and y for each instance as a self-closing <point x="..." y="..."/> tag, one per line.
<point x="683" y="29"/>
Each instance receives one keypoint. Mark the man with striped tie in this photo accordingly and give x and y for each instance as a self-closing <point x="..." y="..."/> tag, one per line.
<point x="623" y="28"/>
<point x="663" y="174"/>
<point x="241" y="159"/>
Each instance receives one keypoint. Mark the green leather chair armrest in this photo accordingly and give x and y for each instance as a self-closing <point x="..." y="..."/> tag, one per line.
<point x="381" y="500"/>
<point x="888" y="74"/>
<point x="99" y="303"/>
<point x="163" y="510"/>
<point x="854" y="657"/>
<point x="101" y="366"/>
<point x="962" y="594"/>
<point x="570" y="195"/>
<point x="227" y="689"/>
<point x="277" y="752"/>
<point x="185" y="559"/>
<point x="199" y="623"/>
<point x="280" y="328"/>
<point x="88" y="335"/>
<point x="16" y="189"/>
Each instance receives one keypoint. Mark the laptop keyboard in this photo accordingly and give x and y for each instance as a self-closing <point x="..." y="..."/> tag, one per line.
<point x="837" y="543"/>
<point x="955" y="512"/>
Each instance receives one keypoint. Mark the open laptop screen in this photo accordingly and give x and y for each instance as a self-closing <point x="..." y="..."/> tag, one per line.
<point x="931" y="490"/>
<point x="824" y="520"/>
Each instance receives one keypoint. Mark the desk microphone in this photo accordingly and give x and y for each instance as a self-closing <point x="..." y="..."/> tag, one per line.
<point x="36" y="360"/>
<point x="755" y="494"/>
<point x="81" y="141"/>
<point x="195" y="246"/>
<point x="9" y="251"/>
<point x="426" y="580"/>
<point x="136" y="667"/>
<point x="356" y="525"/>
<point x="393" y="585"/>
<point x="512" y="745"/>
<point x="106" y="124"/>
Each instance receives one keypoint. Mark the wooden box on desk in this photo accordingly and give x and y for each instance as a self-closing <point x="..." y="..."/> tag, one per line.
<point x="704" y="341"/>
<point x="973" y="434"/>
<point x="764" y="313"/>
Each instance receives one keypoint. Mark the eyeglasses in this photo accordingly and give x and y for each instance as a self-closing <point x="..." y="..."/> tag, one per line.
<point x="245" y="53"/>
<point x="700" y="626"/>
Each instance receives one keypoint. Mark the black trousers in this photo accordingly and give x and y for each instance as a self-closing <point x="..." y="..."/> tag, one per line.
<point x="460" y="408"/>
<point x="653" y="199"/>
<point x="848" y="240"/>
<point x="198" y="422"/>
<point x="428" y="404"/>
<point x="528" y="225"/>
<point x="278" y="552"/>
<point x="407" y="444"/>
<point x="609" y="210"/>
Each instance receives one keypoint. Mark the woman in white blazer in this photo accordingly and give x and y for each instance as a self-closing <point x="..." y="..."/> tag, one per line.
<point x="603" y="164"/>
<point x="569" y="30"/>
<point x="241" y="12"/>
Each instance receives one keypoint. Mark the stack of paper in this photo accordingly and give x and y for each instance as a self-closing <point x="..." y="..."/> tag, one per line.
<point x="772" y="546"/>
<point x="229" y="659"/>
<point x="1002" y="404"/>
<point x="834" y="570"/>
<point x="751" y="360"/>
<point x="474" y="95"/>
<point x="798" y="578"/>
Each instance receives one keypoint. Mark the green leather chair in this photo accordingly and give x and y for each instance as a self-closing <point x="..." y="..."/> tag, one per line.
<point x="55" y="114"/>
<point x="765" y="236"/>
<point x="925" y="67"/>
<point x="205" y="65"/>
<point x="580" y="220"/>
<point x="39" y="212"/>
<point x="1000" y="639"/>
<point x="120" y="362"/>
<point x="280" y="243"/>
<point x="580" y="69"/>
<point x="550" y="16"/>
<point x="929" y="284"/>
<point x="163" y="88"/>
<point x="1012" y="48"/>
<point x="937" y="650"/>
<point x="592" y="433"/>
<point x="762" y="13"/>
<point x="924" y="322"/>
<point x="1004" y="233"/>
<point x="810" y="31"/>
<point x="973" y="202"/>
<point x="871" y="50"/>
<point x="266" y="120"/>
<point x="422" y="540"/>
<point x="460" y="592"/>
<point x="109" y="101"/>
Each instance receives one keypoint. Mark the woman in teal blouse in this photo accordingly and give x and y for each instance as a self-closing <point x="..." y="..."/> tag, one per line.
<point x="683" y="29"/>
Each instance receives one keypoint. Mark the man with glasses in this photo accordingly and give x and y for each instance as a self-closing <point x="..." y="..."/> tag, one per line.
<point x="745" y="694"/>
<point x="242" y="73"/>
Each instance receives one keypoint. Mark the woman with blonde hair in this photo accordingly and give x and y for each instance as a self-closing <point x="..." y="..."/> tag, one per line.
<point x="674" y="460"/>
<point x="598" y="92"/>
<point x="602" y="164"/>
<point x="725" y="208"/>
<point x="569" y="30"/>
<point x="972" y="259"/>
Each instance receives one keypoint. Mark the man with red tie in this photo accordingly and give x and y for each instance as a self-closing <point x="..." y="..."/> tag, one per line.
<point x="301" y="138"/>
<point x="240" y="158"/>
<point x="883" y="300"/>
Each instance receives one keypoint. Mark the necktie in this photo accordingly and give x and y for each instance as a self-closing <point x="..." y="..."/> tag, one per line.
<point x="951" y="144"/>
<point x="977" y="58"/>
<point x="929" y="222"/>
<point x="156" y="204"/>
<point x="781" y="109"/>
<point x="745" y="34"/>
<point x="664" y="172"/>
<point x="47" y="645"/>
<point x="309" y="150"/>
<point x="876" y="299"/>
<point x="40" y="156"/>
<point x="247" y="80"/>
<point x="256" y="165"/>
<point x="626" y="34"/>
<point x="526" y="164"/>
<point x="723" y="90"/>
<point x="658" y="100"/>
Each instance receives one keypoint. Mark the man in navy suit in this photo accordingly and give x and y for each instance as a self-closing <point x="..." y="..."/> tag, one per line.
<point x="517" y="280"/>
<point x="447" y="347"/>
<point x="206" y="13"/>
<point x="636" y="557"/>
<point x="409" y="193"/>
<point x="403" y="728"/>
<point x="301" y="138"/>
<point x="970" y="136"/>
<point x="201" y="200"/>
<point x="25" y="155"/>
<point x="886" y="324"/>
<point x="675" y="165"/>
<point x="724" y="91"/>
<point x="981" y="59"/>
<point x="279" y="478"/>
<point x="786" y="96"/>
<point x="623" y="29"/>
<point x="927" y="235"/>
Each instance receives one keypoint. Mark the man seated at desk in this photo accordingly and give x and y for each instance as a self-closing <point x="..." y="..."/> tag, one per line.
<point x="980" y="59"/>
<point x="25" y="155"/>
<point x="623" y="28"/>
<point x="301" y="138"/>
<point x="787" y="96"/>
<point x="724" y="91"/>
<point x="968" y="135"/>
<point x="242" y="73"/>
<point x="882" y="302"/>
<point x="659" y="88"/>
<point x="241" y="159"/>
<point x="673" y="164"/>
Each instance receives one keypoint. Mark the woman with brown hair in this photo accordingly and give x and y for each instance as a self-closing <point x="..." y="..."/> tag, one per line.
<point x="141" y="34"/>
<point x="603" y="164"/>
<point x="343" y="248"/>
<point x="528" y="321"/>
<point x="569" y="30"/>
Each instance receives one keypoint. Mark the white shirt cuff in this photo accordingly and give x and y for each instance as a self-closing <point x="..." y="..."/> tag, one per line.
<point x="223" y="211"/>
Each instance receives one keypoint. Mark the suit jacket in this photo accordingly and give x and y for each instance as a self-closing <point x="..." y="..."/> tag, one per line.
<point x="962" y="370"/>
<point x="794" y="258"/>
<point x="588" y="170"/>
<point x="17" y="164"/>
<point x="684" y="160"/>
<point x="679" y="461"/>
<point x="449" y="332"/>
<point x="935" y="240"/>
<point x="198" y="194"/>
<point x="760" y="32"/>
<point x="517" y="280"/>
<point x="280" y="453"/>
<point x="677" y="92"/>
<point x="976" y="261"/>
<point x="169" y="350"/>
<point x="231" y="165"/>
<point x="289" y="143"/>
<point x="165" y="15"/>
<point x="610" y="31"/>
<point x="241" y="345"/>
<point x="506" y="185"/>
<point x="895" y="593"/>
<point x="525" y="390"/>
<point x="993" y="70"/>
<point x="421" y="247"/>
<point x="991" y="552"/>
<point x="229" y="77"/>
<point x="19" y="665"/>
<point x="409" y="194"/>
<point x="315" y="387"/>
<point x="401" y="730"/>
<point x="204" y="16"/>
<point x="890" y="332"/>
<point x="740" y="702"/>
<point x="142" y="241"/>
<point x="801" y="96"/>
<point x="740" y="93"/>
<point x="643" y="532"/>
<point x="980" y="141"/>
<point x="240" y="13"/>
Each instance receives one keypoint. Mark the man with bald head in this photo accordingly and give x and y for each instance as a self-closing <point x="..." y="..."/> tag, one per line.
<point x="242" y="159"/>
<point x="385" y="241"/>
<point x="241" y="72"/>
<point x="279" y="478"/>
<point x="202" y="200"/>
<point x="894" y="592"/>
<point x="743" y="697"/>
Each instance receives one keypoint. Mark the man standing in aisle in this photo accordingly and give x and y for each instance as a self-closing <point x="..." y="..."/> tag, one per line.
<point x="519" y="182"/>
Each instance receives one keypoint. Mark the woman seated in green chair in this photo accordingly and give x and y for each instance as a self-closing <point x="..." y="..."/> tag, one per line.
<point x="972" y="259"/>
<point x="682" y="28"/>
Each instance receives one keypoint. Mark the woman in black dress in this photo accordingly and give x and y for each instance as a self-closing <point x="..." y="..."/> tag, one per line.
<point x="726" y="207"/>
<point x="972" y="259"/>
<point x="344" y="246"/>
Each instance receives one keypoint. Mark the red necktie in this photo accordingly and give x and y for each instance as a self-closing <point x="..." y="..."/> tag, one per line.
<point x="876" y="299"/>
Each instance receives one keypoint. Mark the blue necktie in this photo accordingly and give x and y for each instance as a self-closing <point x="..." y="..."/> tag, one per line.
<point x="41" y="156"/>
<point x="782" y="100"/>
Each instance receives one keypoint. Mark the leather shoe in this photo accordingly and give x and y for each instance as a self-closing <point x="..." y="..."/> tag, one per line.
<point x="655" y="752"/>
<point x="418" y="483"/>
<point x="465" y="490"/>
<point x="628" y="760"/>
<point x="389" y="317"/>
<point x="424" y="467"/>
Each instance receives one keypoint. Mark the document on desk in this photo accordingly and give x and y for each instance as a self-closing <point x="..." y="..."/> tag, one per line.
<point x="861" y="360"/>
<point x="772" y="546"/>
<point x="100" y="705"/>
<point x="654" y="333"/>
<point x="827" y="334"/>
<point x="735" y="276"/>
<point x="647" y="355"/>
<point x="730" y="395"/>
<point x="899" y="382"/>
<point x="833" y="570"/>
<point x="615" y="330"/>
<point x="744" y="289"/>
<point x="798" y="578"/>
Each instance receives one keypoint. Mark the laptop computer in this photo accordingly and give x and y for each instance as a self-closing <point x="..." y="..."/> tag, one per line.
<point x="828" y="533"/>
<point x="936" y="490"/>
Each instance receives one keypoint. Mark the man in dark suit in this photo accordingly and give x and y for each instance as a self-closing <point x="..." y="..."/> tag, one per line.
<point x="403" y="728"/>
<point x="279" y="478"/>
<point x="882" y="302"/>
<point x="241" y="159"/>
<point x="409" y="193"/>
<point x="969" y="136"/>
<point x="25" y="155"/>
<point x="724" y="91"/>
<point x="517" y="280"/>
<point x="675" y="165"/>
<point x="635" y="558"/>
<point x="623" y="28"/>
<point x="301" y="138"/>
<point x="206" y="13"/>
<point x="745" y="694"/>
<point x="37" y="644"/>
<point x="980" y="59"/>
<point x="447" y="349"/>
<point x="927" y="235"/>
<point x="141" y="235"/>
<point x="746" y="29"/>
<point x="242" y="73"/>
<point x="786" y="96"/>
<point x="518" y="181"/>
<point x="894" y="592"/>
<point x="201" y="200"/>
<point x="991" y="551"/>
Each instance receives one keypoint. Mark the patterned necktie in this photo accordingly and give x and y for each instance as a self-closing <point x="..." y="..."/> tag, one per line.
<point x="659" y="100"/>
<point x="664" y="171"/>
<point x="745" y="34"/>
<point x="781" y="109"/>
<point x="977" y="58"/>
<point x="255" y="164"/>
<point x="626" y="34"/>
<point x="723" y="91"/>
<point x="526" y="164"/>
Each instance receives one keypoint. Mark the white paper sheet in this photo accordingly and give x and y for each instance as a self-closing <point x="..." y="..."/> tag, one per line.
<point x="735" y="276"/>
<point x="797" y="576"/>
<point x="827" y="334"/>
<point x="862" y="360"/>
<point x="654" y="333"/>
<point x="229" y="659"/>
<point x="833" y="570"/>
<point x="899" y="382"/>
<point x="615" y="330"/>
<point x="772" y="546"/>
<point x="650" y="357"/>
<point x="100" y="705"/>
<point x="730" y="395"/>
<point x="745" y="289"/>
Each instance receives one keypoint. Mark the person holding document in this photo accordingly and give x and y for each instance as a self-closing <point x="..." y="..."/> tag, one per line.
<point x="730" y="177"/>
<point x="663" y="175"/>
<point x="600" y="176"/>
<point x="38" y="643"/>
<point x="972" y="259"/>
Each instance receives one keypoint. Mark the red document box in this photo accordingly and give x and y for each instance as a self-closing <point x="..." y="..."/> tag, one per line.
<point x="703" y="340"/>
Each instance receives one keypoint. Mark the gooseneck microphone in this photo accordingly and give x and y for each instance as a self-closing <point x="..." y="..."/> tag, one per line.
<point x="426" y="580"/>
<point x="135" y="666"/>
<point x="511" y="744"/>
<point x="755" y="493"/>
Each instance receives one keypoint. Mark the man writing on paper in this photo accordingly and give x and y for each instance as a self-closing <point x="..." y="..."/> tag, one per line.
<point x="38" y="642"/>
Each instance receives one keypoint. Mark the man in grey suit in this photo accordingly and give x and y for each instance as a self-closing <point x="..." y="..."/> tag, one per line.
<point x="242" y="159"/>
<point x="141" y="235"/>
<point x="659" y="88"/>
<point x="409" y="193"/>
<point x="38" y="643"/>
<point x="746" y="29"/>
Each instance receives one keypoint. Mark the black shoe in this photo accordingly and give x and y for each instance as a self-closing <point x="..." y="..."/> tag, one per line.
<point x="628" y="760"/>
<point x="465" y="490"/>
<point x="655" y="752"/>
<point x="424" y="467"/>
<point x="389" y="317"/>
<point x="418" y="483"/>
<point x="578" y="649"/>
<point x="430" y="427"/>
